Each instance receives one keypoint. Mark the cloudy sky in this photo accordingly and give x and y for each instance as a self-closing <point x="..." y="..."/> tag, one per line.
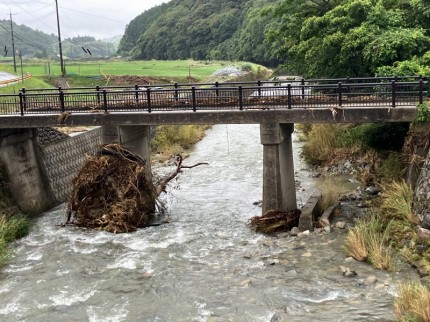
<point x="99" y="18"/>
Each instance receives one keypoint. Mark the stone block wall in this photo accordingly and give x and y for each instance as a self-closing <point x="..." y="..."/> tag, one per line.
<point x="64" y="159"/>
<point x="422" y="190"/>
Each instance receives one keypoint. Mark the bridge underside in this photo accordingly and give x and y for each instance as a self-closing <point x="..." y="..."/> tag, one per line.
<point x="279" y="115"/>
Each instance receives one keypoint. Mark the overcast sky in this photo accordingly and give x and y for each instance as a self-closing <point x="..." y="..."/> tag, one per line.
<point x="99" y="18"/>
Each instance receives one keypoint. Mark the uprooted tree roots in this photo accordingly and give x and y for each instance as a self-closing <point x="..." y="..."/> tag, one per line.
<point x="114" y="192"/>
<point x="275" y="221"/>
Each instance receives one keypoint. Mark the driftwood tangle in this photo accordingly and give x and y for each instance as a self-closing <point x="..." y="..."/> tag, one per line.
<point x="113" y="191"/>
<point x="275" y="221"/>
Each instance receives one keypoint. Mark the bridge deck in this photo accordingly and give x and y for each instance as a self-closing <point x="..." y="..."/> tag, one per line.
<point x="255" y="102"/>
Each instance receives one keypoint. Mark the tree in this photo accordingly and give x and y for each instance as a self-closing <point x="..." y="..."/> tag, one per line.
<point x="350" y="38"/>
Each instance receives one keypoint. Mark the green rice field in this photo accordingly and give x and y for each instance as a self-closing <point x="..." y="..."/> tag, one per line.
<point x="151" y="68"/>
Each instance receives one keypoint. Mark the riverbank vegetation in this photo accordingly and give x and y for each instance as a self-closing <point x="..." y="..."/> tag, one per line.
<point x="13" y="224"/>
<point x="413" y="302"/>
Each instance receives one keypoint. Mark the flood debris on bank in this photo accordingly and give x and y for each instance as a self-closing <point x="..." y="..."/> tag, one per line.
<point x="114" y="192"/>
<point x="275" y="221"/>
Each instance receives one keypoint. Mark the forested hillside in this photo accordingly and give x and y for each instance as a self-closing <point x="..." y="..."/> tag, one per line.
<point x="30" y="42"/>
<point x="201" y="29"/>
<point x="313" y="38"/>
<point x="34" y="43"/>
<point x="332" y="38"/>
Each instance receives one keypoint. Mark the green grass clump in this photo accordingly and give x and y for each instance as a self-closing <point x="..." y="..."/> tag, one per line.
<point x="397" y="199"/>
<point x="11" y="228"/>
<point x="369" y="241"/>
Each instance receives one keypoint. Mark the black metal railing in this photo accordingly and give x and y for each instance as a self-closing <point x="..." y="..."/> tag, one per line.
<point x="276" y="94"/>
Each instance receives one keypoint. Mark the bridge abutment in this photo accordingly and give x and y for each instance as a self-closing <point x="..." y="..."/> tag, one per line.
<point x="21" y="160"/>
<point x="279" y="191"/>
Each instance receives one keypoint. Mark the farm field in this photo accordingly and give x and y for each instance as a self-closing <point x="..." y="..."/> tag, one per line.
<point x="106" y="72"/>
<point x="151" y="68"/>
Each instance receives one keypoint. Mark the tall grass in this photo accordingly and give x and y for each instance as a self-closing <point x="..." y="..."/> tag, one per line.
<point x="397" y="201"/>
<point x="321" y="142"/>
<point x="413" y="302"/>
<point x="369" y="241"/>
<point x="176" y="139"/>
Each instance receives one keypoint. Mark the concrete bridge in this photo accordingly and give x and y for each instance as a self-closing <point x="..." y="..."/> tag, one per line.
<point x="126" y="113"/>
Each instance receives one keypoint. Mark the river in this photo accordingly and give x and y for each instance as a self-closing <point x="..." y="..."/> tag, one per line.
<point x="205" y="265"/>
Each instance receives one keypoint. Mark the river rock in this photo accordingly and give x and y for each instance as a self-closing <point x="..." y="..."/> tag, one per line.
<point x="341" y="225"/>
<point x="294" y="231"/>
<point x="347" y="272"/>
<point x="292" y="273"/>
<point x="370" y="280"/>
<point x="304" y="233"/>
<point x="423" y="233"/>
<point x="425" y="280"/>
<point x="425" y="223"/>
<point x="246" y="283"/>
<point x="373" y="190"/>
<point x="279" y="317"/>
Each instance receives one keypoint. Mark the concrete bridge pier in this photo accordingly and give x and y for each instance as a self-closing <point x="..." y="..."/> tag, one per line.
<point x="26" y="177"/>
<point x="133" y="137"/>
<point x="279" y="190"/>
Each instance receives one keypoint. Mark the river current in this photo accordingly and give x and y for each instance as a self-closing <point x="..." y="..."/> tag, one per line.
<point x="205" y="265"/>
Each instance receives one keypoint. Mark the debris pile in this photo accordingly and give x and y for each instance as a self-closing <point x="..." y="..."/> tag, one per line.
<point x="275" y="221"/>
<point x="228" y="70"/>
<point x="112" y="192"/>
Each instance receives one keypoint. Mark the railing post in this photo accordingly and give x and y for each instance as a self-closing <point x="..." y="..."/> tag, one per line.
<point x="348" y="88"/>
<point x="289" y="95"/>
<point x="24" y="99"/>
<point x="259" y="88"/>
<point x="339" y="90"/>
<point x="302" y="82"/>
<point x="240" y="98"/>
<point x="105" y="101"/>
<point x="193" y="91"/>
<point x="421" y="90"/>
<point x="21" y="103"/>
<point x="217" y="90"/>
<point x="98" y="94"/>
<point x="148" y="98"/>
<point x="136" y="93"/>
<point x="61" y="99"/>
<point x="393" y="92"/>
<point x="176" y="95"/>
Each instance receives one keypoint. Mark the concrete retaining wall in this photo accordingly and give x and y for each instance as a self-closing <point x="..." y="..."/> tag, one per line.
<point x="64" y="159"/>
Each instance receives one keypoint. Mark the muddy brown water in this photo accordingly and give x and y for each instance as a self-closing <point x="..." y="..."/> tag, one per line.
<point x="206" y="265"/>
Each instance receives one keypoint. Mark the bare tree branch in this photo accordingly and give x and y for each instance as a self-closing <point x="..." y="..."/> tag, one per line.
<point x="162" y="184"/>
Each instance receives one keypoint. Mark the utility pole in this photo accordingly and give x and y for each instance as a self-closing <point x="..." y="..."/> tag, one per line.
<point x="63" y="70"/>
<point x="13" y="42"/>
